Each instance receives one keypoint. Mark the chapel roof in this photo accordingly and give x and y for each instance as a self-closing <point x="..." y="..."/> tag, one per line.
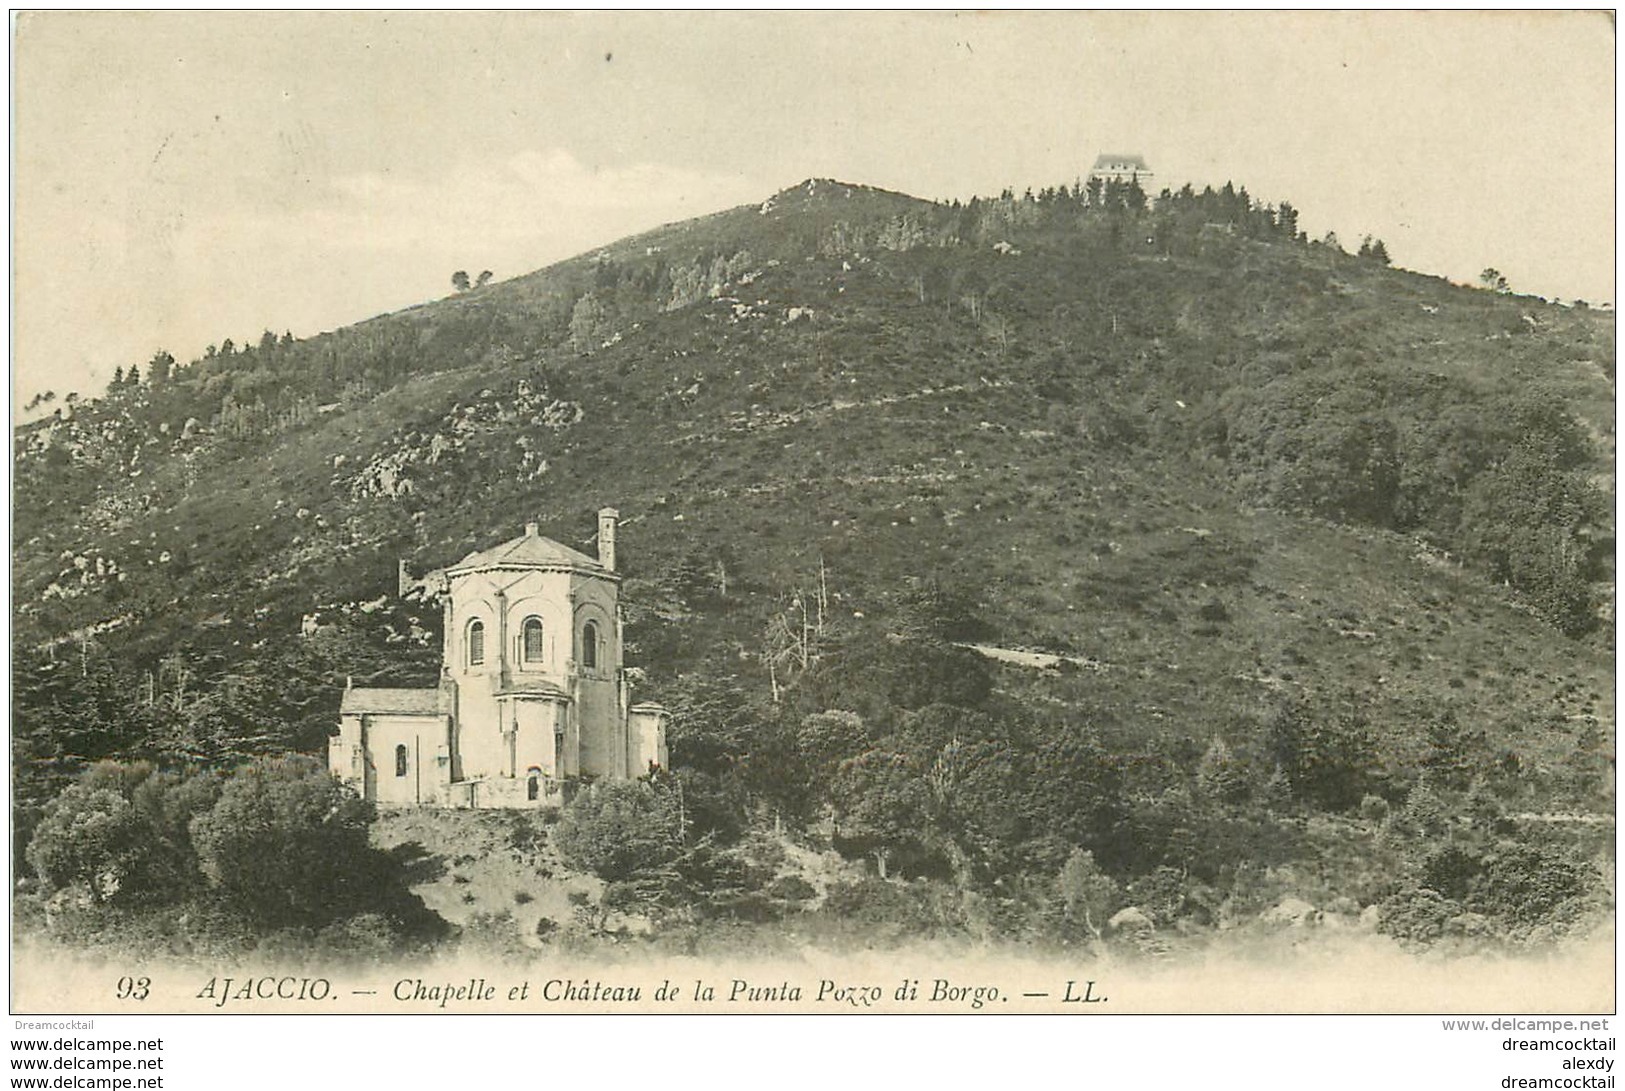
<point x="548" y="690"/>
<point x="529" y="548"/>
<point x="391" y="702"/>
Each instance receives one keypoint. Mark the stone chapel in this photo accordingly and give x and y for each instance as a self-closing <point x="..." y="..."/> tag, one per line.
<point x="532" y="692"/>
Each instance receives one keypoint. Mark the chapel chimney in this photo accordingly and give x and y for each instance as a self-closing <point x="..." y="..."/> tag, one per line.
<point x="533" y="530"/>
<point x="606" y="537"/>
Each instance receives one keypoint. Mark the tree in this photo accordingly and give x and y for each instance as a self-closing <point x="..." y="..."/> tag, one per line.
<point x="825" y="739"/>
<point x="619" y="830"/>
<point x="1220" y="776"/>
<point x="1373" y="250"/>
<point x="1453" y="753"/>
<point x="1417" y="916"/>
<point x="972" y="780"/>
<point x="1096" y="191"/>
<point x="1286" y="219"/>
<point x="971" y="287"/>
<point x="1329" y="761"/>
<point x="286" y="844"/>
<point x="459" y="280"/>
<point x="882" y="807"/>
<point x="1528" y="520"/>
<point x="1530" y="883"/>
<point x="159" y="367"/>
<point x="1087" y="894"/>
<point x="585" y="319"/>
<point x="278" y="843"/>
<point x="1492" y="279"/>
<point x="122" y="830"/>
<point x="1316" y="445"/>
<point x="167" y="803"/>
<point x="1073" y="790"/>
<point x="483" y="279"/>
<point x="118" y="378"/>
<point x="91" y="836"/>
<point x="1134" y="196"/>
<point x="1350" y="469"/>
<point x="793" y="641"/>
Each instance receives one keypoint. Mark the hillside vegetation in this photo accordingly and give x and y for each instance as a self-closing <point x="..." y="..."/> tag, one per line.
<point x="1313" y="555"/>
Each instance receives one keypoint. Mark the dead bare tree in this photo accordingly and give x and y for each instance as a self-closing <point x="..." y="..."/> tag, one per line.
<point x="794" y="637"/>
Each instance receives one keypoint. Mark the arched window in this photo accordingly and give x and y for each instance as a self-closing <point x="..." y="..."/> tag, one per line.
<point x="476" y="642"/>
<point x="589" y="645"/>
<point x="400" y="760"/>
<point x="532" y="645"/>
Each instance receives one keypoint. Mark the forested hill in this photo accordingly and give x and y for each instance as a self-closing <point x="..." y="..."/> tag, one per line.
<point x="1235" y="478"/>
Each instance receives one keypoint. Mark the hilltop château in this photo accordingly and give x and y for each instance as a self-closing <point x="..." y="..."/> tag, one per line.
<point x="532" y="692"/>
<point x="1123" y="168"/>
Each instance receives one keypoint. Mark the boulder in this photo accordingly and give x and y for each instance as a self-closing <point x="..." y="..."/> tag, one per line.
<point x="1343" y="912"/>
<point x="1131" y="919"/>
<point x="1291" y="913"/>
<point x="1468" y="924"/>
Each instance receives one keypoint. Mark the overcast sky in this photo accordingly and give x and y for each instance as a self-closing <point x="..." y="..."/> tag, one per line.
<point x="181" y="178"/>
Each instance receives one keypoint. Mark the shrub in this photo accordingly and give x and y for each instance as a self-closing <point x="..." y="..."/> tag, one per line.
<point x="903" y="908"/>
<point x="1162" y="894"/>
<point x="1416" y="917"/>
<point x="89" y="836"/>
<point x="366" y="937"/>
<point x="617" y="829"/>
<point x="1087" y="895"/>
<point x="1329" y="761"/>
<point x="1374" y="809"/>
<point x="1526" y="883"/>
<point x="492" y="935"/>
<point x="286" y="844"/>
<point x="122" y="830"/>
<point x="525" y="834"/>
<point x="1453" y="871"/>
<point x="1527" y="521"/>
<point x="791" y="888"/>
<point x="882" y="805"/>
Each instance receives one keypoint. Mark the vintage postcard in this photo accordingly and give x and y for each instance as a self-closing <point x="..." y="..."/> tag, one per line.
<point x="934" y="513"/>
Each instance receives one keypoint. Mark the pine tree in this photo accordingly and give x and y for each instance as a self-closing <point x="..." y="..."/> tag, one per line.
<point x="1373" y="250"/>
<point x="1286" y="219"/>
<point x="1134" y="197"/>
